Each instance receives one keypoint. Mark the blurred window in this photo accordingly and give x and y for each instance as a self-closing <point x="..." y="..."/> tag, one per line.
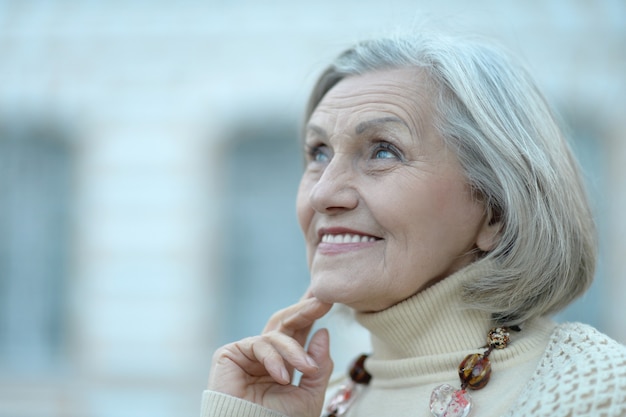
<point x="265" y="256"/>
<point x="35" y="196"/>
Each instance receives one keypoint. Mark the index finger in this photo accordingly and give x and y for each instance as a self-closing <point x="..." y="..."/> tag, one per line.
<point x="296" y="321"/>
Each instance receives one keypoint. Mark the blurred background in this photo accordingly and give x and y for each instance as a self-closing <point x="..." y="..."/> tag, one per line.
<point x="149" y="161"/>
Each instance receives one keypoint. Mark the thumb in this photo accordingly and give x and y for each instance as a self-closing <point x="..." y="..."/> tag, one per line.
<point x="319" y="349"/>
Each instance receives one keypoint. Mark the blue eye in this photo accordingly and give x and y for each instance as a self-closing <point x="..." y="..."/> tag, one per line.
<point x="319" y="153"/>
<point x="384" y="154"/>
<point x="384" y="150"/>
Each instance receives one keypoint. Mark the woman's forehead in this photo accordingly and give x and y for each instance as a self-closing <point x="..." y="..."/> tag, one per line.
<point x="391" y="96"/>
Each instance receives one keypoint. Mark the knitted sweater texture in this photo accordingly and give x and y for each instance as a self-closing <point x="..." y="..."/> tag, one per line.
<point x="548" y="370"/>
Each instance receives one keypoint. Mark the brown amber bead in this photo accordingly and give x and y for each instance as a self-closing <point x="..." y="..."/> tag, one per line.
<point x="475" y="371"/>
<point x="358" y="373"/>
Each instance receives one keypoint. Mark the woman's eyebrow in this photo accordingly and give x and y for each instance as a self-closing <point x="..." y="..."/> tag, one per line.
<point x="363" y="126"/>
<point x="317" y="130"/>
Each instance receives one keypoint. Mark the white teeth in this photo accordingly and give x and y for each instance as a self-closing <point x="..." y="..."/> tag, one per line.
<point x="346" y="238"/>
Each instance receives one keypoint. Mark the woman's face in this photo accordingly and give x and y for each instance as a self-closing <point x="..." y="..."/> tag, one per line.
<point x="383" y="204"/>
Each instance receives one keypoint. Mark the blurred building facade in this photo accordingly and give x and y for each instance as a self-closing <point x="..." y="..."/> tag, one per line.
<point x="149" y="161"/>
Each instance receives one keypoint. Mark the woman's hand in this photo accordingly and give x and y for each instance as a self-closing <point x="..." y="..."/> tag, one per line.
<point x="260" y="368"/>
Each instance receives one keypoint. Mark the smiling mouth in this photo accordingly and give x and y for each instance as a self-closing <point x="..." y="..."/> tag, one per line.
<point x="347" y="238"/>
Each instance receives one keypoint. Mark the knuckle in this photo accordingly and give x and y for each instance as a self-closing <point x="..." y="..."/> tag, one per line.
<point x="276" y="319"/>
<point x="229" y="350"/>
<point x="222" y="353"/>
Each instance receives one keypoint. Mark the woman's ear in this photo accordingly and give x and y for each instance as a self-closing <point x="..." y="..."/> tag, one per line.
<point x="490" y="231"/>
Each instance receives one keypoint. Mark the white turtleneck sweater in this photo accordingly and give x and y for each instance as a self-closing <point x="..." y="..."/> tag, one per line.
<point x="418" y="344"/>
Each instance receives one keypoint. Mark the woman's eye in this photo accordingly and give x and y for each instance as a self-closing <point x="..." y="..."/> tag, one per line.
<point x="319" y="153"/>
<point x="385" y="150"/>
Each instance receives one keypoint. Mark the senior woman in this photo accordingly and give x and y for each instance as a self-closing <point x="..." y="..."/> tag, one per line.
<point x="441" y="203"/>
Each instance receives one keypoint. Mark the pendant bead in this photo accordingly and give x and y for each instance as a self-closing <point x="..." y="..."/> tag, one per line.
<point x="475" y="371"/>
<point x="445" y="401"/>
<point x="341" y="401"/>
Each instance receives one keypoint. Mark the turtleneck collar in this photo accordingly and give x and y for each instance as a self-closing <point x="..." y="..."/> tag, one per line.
<point x="435" y="325"/>
<point x="433" y="321"/>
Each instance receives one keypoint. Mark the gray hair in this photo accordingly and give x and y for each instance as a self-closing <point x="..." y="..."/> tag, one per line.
<point x="515" y="158"/>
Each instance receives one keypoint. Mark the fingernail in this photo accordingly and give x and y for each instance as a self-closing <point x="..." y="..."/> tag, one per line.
<point x="285" y="375"/>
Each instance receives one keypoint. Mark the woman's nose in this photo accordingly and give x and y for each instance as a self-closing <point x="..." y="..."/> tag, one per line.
<point x="334" y="192"/>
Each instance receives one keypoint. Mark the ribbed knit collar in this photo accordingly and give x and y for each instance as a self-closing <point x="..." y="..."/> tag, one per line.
<point x="433" y="330"/>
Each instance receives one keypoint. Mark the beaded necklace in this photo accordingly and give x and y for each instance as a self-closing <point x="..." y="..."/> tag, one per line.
<point x="445" y="401"/>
